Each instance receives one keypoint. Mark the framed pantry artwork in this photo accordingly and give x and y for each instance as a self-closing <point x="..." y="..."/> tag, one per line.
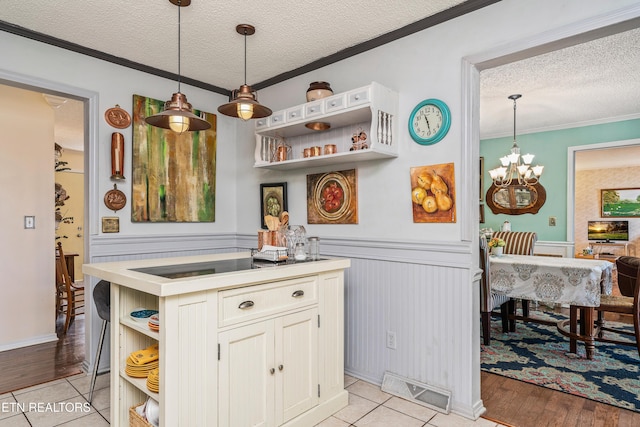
<point x="273" y="200"/>
<point x="173" y="176"/>
<point x="332" y="198"/>
<point x="433" y="193"/>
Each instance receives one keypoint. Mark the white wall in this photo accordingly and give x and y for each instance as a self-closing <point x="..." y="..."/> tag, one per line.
<point x="27" y="308"/>
<point x="431" y="268"/>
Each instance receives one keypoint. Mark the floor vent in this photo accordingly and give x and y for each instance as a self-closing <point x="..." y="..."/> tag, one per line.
<point x="414" y="391"/>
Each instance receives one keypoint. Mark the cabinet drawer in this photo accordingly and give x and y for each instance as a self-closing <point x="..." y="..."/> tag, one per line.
<point x="294" y="114"/>
<point x="262" y="123"/>
<point x="334" y="103"/>
<point x="357" y="97"/>
<point x="252" y="302"/>
<point x="313" y="109"/>
<point x="277" y="118"/>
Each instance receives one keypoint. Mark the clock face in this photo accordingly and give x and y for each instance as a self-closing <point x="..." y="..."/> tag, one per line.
<point x="429" y="122"/>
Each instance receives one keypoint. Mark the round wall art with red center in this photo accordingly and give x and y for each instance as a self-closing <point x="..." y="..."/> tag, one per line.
<point x="332" y="198"/>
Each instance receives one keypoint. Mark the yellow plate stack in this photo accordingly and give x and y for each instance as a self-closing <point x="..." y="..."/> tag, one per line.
<point x="153" y="380"/>
<point x="141" y="362"/>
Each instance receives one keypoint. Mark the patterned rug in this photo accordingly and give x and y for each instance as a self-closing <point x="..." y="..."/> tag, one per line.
<point x="539" y="354"/>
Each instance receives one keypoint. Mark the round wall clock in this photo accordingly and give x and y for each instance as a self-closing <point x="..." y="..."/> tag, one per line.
<point x="429" y="121"/>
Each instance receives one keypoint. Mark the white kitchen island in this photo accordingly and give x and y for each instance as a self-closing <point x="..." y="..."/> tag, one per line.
<point x="241" y="343"/>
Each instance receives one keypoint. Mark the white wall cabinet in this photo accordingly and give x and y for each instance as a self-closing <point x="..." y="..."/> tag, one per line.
<point x="372" y="109"/>
<point x="261" y="347"/>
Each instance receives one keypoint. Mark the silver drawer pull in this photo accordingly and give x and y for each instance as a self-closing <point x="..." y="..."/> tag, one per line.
<point x="293" y="114"/>
<point x="297" y="294"/>
<point x="280" y="367"/>
<point x="272" y="371"/>
<point x="246" y="304"/>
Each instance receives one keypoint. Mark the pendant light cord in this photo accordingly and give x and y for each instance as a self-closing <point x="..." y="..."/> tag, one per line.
<point x="514" y="120"/>
<point x="245" y="56"/>
<point x="179" y="31"/>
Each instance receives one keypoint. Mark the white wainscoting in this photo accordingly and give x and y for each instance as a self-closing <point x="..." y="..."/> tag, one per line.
<point x="424" y="292"/>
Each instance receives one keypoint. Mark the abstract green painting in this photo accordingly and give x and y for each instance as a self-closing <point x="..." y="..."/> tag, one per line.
<point x="174" y="176"/>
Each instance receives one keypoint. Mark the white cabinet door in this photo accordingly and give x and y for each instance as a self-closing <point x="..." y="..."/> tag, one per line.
<point x="297" y="364"/>
<point x="246" y="382"/>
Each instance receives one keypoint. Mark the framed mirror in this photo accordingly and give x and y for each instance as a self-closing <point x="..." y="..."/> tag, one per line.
<point x="516" y="199"/>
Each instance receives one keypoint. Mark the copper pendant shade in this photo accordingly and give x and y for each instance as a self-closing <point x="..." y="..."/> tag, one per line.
<point x="243" y="103"/>
<point x="177" y="114"/>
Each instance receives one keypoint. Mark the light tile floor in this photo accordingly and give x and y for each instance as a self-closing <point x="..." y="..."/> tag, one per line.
<point x="63" y="403"/>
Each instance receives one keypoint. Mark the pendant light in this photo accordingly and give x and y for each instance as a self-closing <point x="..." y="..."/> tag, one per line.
<point x="243" y="102"/>
<point x="177" y="114"/>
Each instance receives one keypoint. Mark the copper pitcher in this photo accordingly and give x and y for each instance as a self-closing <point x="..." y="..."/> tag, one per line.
<point x="283" y="152"/>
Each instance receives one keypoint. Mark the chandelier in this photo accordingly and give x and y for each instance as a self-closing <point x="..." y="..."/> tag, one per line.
<point x="516" y="168"/>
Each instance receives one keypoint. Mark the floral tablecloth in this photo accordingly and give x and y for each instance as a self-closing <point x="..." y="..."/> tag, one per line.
<point x="572" y="281"/>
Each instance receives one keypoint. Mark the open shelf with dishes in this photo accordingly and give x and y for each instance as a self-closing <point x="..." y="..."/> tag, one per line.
<point x="134" y="334"/>
<point x="368" y="114"/>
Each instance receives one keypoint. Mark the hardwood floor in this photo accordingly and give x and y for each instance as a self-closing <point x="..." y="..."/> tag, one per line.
<point x="526" y="405"/>
<point x="37" y="364"/>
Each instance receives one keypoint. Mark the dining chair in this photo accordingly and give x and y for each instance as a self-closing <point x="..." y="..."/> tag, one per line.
<point x="70" y="296"/>
<point x="628" y="303"/>
<point x="518" y="243"/>
<point x="489" y="300"/>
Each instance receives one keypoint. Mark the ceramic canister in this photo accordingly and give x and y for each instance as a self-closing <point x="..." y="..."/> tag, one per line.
<point x="318" y="90"/>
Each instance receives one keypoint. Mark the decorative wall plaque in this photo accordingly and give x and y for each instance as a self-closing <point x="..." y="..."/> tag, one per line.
<point x="115" y="199"/>
<point x="117" y="117"/>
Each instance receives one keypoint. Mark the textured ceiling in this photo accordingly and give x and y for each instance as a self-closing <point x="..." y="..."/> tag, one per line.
<point x="582" y="84"/>
<point x="288" y="34"/>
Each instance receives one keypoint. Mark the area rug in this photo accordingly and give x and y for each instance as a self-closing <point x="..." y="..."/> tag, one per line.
<point x="539" y="354"/>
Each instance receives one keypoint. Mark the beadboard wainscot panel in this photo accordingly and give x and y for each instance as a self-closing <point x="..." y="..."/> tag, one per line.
<point x="425" y="292"/>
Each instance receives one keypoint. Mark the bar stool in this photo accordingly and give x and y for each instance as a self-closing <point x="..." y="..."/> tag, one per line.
<point x="102" y="300"/>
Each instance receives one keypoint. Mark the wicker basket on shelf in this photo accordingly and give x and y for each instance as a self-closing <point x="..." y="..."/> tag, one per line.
<point x="135" y="420"/>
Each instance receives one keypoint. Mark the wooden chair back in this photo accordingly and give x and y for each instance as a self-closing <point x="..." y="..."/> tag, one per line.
<point x="70" y="297"/>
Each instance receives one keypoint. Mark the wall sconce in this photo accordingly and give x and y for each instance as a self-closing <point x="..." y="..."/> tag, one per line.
<point x="117" y="156"/>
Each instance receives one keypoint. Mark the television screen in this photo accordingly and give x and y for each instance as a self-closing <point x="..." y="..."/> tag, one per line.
<point x="607" y="231"/>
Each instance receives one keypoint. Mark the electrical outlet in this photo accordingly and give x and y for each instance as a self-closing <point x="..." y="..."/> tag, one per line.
<point x="552" y="221"/>
<point x="391" y="340"/>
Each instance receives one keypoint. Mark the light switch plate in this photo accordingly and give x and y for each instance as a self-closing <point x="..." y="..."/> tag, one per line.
<point x="552" y="221"/>
<point x="29" y="221"/>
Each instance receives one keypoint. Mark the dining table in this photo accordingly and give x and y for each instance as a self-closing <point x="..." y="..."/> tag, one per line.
<point x="575" y="282"/>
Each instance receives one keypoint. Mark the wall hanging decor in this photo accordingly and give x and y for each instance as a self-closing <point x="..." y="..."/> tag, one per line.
<point x="273" y="200"/>
<point x="117" y="156"/>
<point x="110" y="224"/>
<point x="620" y="202"/>
<point x="429" y="121"/>
<point x="332" y="198"/>
<point x="433" y="193"/>
<point x="117" y="117"/>
<point x="115" y="199"/>
<point x="173" y="175"/>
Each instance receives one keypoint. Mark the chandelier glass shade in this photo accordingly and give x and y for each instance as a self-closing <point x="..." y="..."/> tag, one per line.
<point x="243" y="103"/>
<point x="178" y="115"/>
<point x="515" y="168"/>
